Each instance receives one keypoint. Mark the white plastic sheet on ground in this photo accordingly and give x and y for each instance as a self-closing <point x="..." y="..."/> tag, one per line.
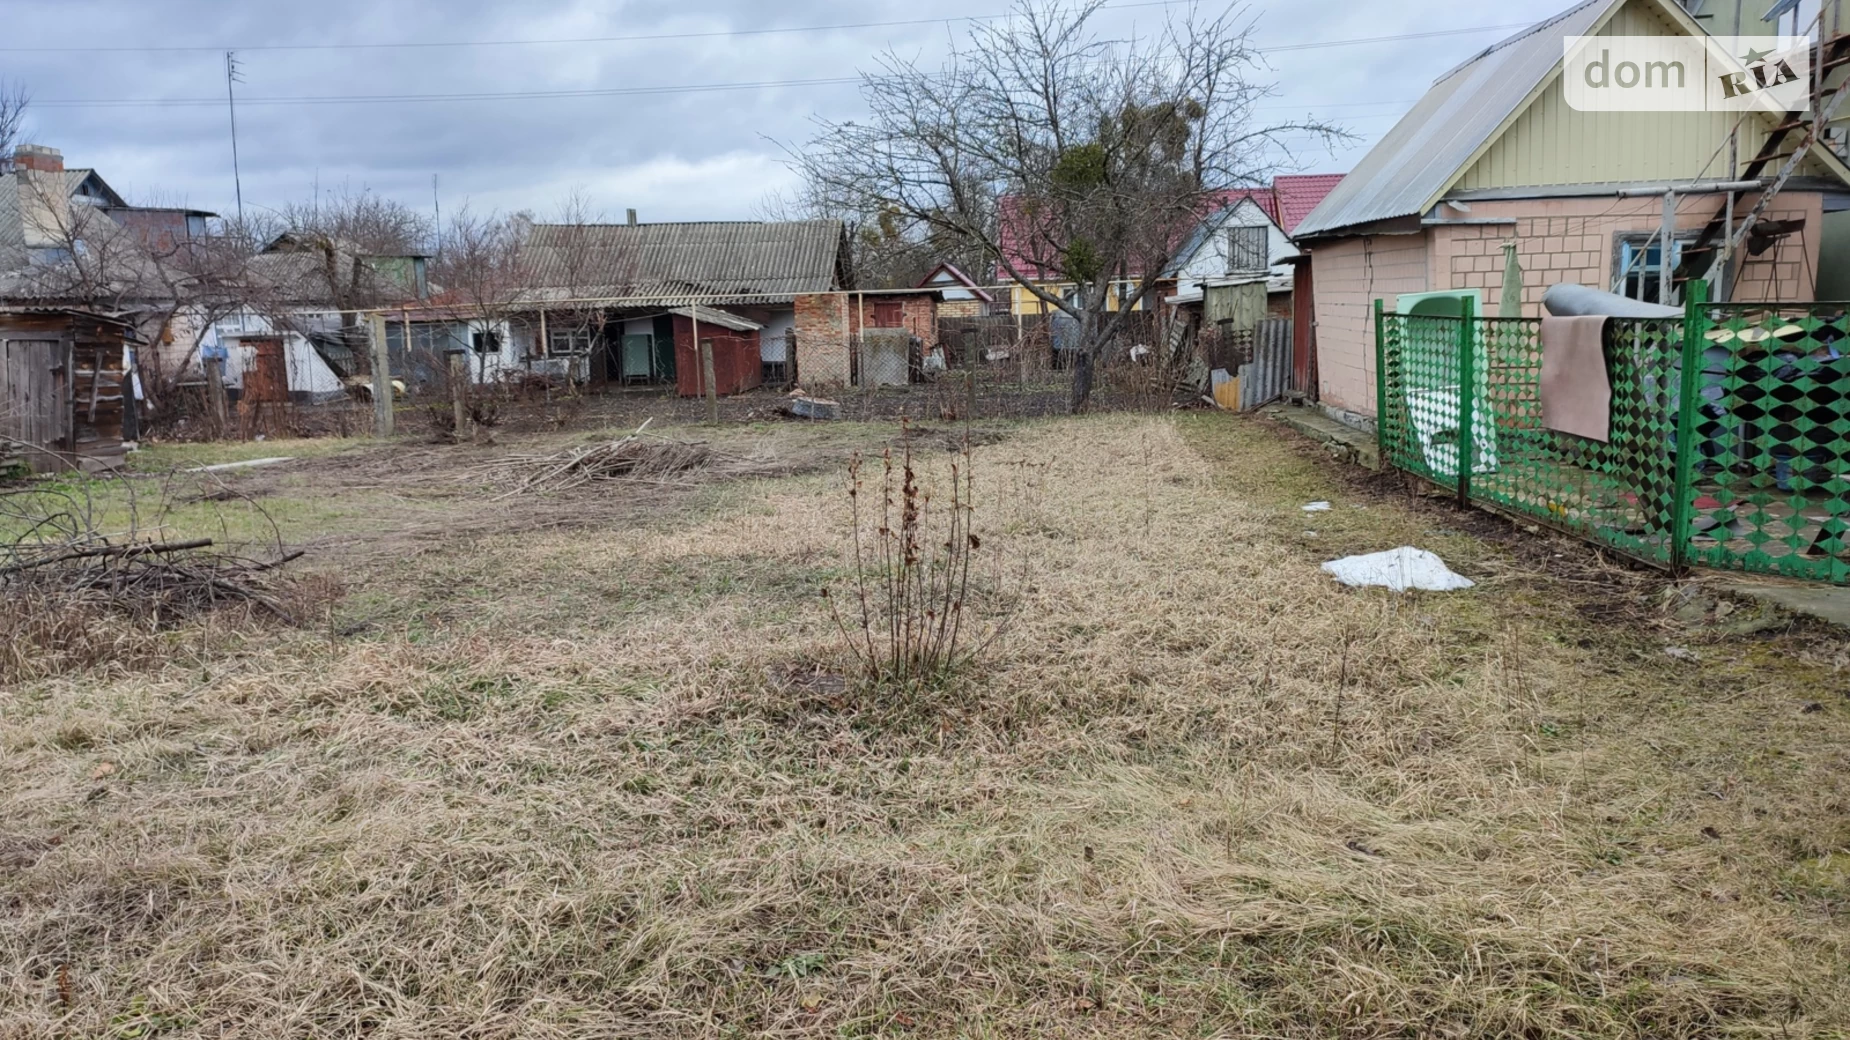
<point x="1317" y="507"/>
<point x="1398" y="569"/>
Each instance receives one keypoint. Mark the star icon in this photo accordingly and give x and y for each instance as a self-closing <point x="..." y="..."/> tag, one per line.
<point x="1753" y="56"/>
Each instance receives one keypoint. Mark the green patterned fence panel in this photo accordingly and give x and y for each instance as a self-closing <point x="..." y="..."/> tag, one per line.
<point x="1619" y="493"/>
<point x="1422" y="408"/>
<point x="1770" y="490"/>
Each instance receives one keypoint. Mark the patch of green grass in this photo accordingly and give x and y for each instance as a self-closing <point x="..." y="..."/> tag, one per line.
<point x="164" y="456"/>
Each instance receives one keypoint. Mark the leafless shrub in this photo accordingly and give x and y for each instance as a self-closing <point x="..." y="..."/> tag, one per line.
<point x="910" y="619"/>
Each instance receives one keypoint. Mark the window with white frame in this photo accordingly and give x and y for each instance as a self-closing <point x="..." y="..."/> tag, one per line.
<point x="1247" y="249"/>
<point x="569" y="341"/>
<point x="1638" y="258"/>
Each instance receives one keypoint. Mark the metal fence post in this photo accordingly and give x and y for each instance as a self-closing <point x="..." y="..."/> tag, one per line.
<point x="1381" y="394"/>
<point x="1685" y="457"/>
<point x="1467" y="401"/>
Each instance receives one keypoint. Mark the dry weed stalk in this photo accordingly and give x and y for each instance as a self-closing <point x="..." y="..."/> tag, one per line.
<point x="912" y="571"/>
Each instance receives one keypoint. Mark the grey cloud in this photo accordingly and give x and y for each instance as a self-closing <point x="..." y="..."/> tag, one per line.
<point x="674" y="156"/>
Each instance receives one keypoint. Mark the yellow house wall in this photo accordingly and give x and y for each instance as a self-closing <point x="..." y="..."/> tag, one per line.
<point x="1552" y="143"/>
<point x="1023" y="301"/>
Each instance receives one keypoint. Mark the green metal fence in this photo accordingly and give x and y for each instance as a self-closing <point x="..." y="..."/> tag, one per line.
<point x="1761" y="392"/>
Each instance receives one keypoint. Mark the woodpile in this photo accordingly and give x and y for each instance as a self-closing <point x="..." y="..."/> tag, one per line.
<point x="636" y="458"/>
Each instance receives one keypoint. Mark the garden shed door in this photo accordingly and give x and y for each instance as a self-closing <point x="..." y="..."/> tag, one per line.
<point x="35" y="398"/>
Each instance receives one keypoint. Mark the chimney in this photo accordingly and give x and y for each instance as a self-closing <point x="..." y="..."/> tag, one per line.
<point x="38" y="157"/>
<point x="44" y="201"/>
<point x="631" y="214"/>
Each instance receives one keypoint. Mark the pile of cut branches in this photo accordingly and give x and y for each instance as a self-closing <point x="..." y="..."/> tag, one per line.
<point x="52" y="543"/>
<point x="84" y="579"/>
<point x="148" y="580"/>
<point x="638" y="457"/>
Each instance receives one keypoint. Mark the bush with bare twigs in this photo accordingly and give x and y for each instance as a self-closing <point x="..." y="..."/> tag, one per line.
<point x="910" y="618"/>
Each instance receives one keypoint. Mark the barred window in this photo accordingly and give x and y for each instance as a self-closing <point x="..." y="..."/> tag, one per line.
<point x="1246" y="249"/>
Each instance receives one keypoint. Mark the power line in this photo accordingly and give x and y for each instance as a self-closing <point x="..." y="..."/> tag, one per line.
<point x="1320" y="44"/>
<point x="517" y="95"/>
<point x="718" y="33"/>
<point x="636" y="38"/>
<point x="521" y="95"/>
<point x="529" y="95"/>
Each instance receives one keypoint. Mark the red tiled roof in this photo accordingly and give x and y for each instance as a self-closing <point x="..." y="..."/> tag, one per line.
<point x="1298" y="194"/>
<point x="1013" y="231"/>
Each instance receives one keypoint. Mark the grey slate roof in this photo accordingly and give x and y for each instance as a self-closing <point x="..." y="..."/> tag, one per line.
<point x="742" y="261"/>
<point x="1410" y="166"/>
<point x="12" y="228"/>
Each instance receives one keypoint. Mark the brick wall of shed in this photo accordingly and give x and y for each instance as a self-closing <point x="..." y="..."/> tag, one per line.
<point x="1351" y="274"/>
<point x="919" y="314"/>
<point x="826" y="325"/>
<point x="823" y="326"/>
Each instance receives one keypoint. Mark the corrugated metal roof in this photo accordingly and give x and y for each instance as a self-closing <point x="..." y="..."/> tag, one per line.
<point x="1411" y="165"/>
<point x="743" y="261"/>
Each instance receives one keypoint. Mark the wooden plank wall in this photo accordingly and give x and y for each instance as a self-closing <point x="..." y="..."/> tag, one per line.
<point x="64" y="389"/>
<point x="34" y="386"/>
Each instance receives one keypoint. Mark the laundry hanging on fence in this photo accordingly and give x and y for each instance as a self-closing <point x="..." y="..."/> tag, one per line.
<point x="1575" y="388"/>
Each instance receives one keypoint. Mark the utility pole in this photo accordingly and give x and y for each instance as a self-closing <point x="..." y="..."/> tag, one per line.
<point x="231" y="101"/>
<point x="436" y="206"/>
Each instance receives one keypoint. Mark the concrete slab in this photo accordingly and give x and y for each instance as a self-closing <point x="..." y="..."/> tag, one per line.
<point x="1829" y="603"/>
<point x="1345" y="442"/>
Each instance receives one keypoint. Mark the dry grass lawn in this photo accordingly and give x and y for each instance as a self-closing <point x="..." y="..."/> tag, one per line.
<point x="605" y="779"/>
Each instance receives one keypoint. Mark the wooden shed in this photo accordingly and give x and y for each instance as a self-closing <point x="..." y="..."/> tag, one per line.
<point x="737" y="366"/>
<point x="65" y="392"/>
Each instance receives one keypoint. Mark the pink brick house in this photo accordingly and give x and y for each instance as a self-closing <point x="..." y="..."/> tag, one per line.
<point x="1494" y="155"/>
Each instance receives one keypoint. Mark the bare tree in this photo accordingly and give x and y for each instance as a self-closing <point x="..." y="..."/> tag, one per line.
<point x="362" y="221"/>
<point x="482" y="262"/>
<point x="1068" y="158"/>
<point x="886" y="250"/>
<point x="13" y="103"/>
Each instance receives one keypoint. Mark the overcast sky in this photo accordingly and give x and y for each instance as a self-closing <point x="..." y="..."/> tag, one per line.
<point x="685" y="155"/>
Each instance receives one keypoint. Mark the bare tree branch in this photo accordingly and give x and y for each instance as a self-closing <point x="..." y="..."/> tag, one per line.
<point x="1072" y="162"/>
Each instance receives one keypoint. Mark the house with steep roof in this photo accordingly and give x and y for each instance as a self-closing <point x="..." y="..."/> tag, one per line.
<point x="960" y="295"/>
<point x="1494" y="156"/>
<point x="1236" y="243"/>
